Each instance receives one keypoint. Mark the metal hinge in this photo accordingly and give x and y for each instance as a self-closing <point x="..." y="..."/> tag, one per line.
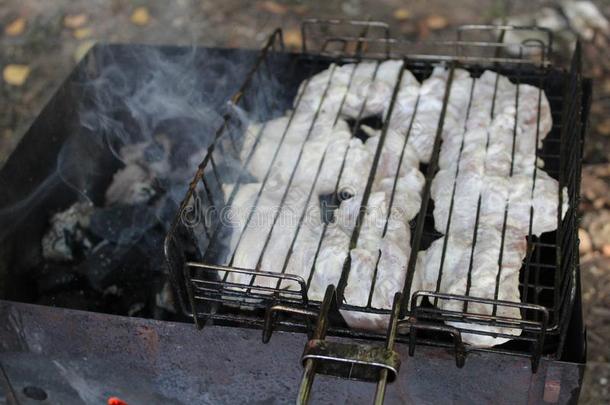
<point x="349" y="360"/>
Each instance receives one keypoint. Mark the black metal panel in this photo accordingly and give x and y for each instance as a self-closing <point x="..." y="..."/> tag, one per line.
<point x="80" y="357"/>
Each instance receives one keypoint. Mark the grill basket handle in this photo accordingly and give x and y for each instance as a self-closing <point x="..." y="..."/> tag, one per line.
<point x="346" y="360"/>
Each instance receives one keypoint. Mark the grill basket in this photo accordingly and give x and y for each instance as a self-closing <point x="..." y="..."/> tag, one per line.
<point x="548" y="277"/>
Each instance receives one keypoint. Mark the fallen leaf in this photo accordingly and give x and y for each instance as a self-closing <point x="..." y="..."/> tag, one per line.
<point x="301" y="9"/>
<point x="604" y="127"/>
<point x="585" y="241"/>
<point x="273" y="7"/>
<point x="408" y="29"/>
<point x="15" y="28"/>
<point x="423" y="31"/>
<point x="436" y="22"/>
<point x="82" y="49"/>
<point x="402" y="14"/>
<point x="74" y="21"/>
<point x="140" y="16"/>
<point x="16" y="75"/>
<point x="82" y="33"/>
<point x="292" y="38"/>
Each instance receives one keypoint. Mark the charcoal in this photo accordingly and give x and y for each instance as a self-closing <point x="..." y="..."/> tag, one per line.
<point x="75" y="299"/>
<point x="66" y="238"/>
<point x="328" y="204"/>
<point x="107" y="263"/>
<point x="132" y="184"/>
<point x="164" y="299"/>
<point x="135" y="308"/>
<point x="56" y="277"/>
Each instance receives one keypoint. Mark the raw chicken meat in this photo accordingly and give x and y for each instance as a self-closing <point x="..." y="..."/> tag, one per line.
<point x="369" y="87"/>
<point x="423" y="130"/>
<point x="492" y="129"/>
<point x="488" y="181"/>
<point x="454" y="274"/>
<point x="330" y="260"/>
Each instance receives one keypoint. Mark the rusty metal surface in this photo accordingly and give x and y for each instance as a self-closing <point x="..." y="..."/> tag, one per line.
<point x="83" y="357"/>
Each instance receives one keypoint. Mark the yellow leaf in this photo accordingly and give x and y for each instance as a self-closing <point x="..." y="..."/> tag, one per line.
<point x="15" y="28"/>
<point x="82" y="33"/>
<point x="604" y="127"/>
<point x="292" y="38"/>
<point x="301" y="9"/>
<point x="273" y="7"/>
<point x="402" y="14"/>
<point x="16" y="75"/>
<point x="140" y="16"/>
<point x="74" y="21"/>
<point x="82" y="49"/>
<point x="436" y="22"/>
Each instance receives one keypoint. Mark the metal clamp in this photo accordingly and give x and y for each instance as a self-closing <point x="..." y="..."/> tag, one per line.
<point x="351" y="361"/>
<point x="272" y="312"/>
<point x="435" y="315"/>
<point x="415" y="325"/>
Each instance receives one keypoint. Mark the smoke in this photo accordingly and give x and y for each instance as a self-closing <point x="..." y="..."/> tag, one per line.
<point x="145" y="116"/>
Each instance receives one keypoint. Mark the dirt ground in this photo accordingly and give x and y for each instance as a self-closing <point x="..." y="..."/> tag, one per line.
<point x="41" y="41"/>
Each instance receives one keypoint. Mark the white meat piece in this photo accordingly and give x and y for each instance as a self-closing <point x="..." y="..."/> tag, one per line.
<point x="334" y="81"/>
<point x="394" y="146"/>
<point x="331" y="167"/>
<point x="373" y="222"/>
<point x="284" y="137"/>
<point x="390" y="279"/>
<point x="365" y="89"/>
<point x="330" y="261"/>
<point x="268" y="143"/>
<point x="390" y="253"/>
<point x="404" y="105"/>
<point x="301" y="260"/>
<point x="235" y="216"/>
<point x="407" y="194"/>
<point x="431" y="96"/>
<point x="392" y="267"/>
<point x="371" y="89"/>
<point x="345" y="86"/>
<point x="424" y="127"/>
<point x="499" y="154"/>
<point x="302" y="184"/>
<point x="544" y="200"/>
<point x="497" y="193"/>
<point x="284" y="232"/>
<point x="534" y="121"/>
<point x="325" y="144"/>
<point x="356" y="168"/>
<point x="346" y="215"/>
<point x="509" y="291"/>
<point x="360" y="279"/>
<point x="299" y="134"/>
<point x="485" y="268"/>
<point x="378" y="92"/>
<point x="250" y="247"/>
<point x="465" y="199"/>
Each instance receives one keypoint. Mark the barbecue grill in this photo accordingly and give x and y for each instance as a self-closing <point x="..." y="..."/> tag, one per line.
<point x="84" y="356"/>
<point x="549" y="275"/>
